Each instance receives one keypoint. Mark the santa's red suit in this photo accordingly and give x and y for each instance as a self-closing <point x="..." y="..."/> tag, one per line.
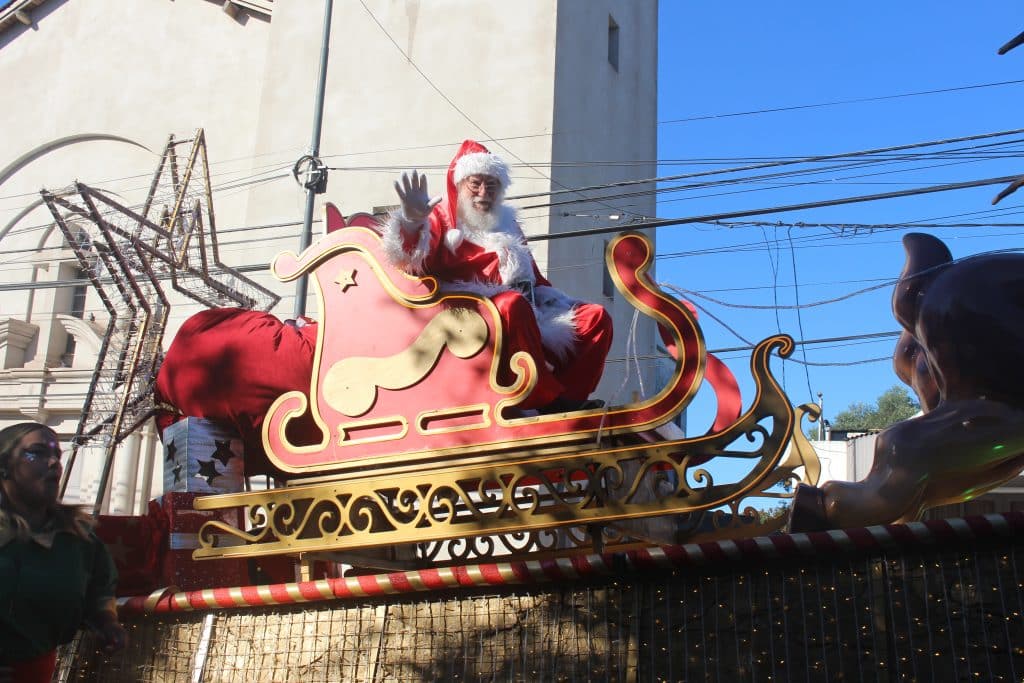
<point x="568" y="339"/>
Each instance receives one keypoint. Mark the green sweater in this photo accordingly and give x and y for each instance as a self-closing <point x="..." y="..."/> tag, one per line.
<point x="47" y="593"/>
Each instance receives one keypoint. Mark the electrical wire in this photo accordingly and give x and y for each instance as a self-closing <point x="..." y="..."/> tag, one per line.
<point x="799" y="317"/>
<point x="859" y="226"/>
<point x="253" y="179"/>
<point x="831" y="182"/>
<point x="786" y="162"/>
<point x="773" y="264"/>
<point x="108" y="181"/>
<point x="454" y="106"/>
<point x="770" y="176"/>
<point x="733" y="114"/>
<point x="835" y="103"/>
<point x="710" y="218"/>
<point x="111" y="212"/>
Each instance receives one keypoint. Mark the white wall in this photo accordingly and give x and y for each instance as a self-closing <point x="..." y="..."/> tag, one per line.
<point x="604" y="114"/>
<point x="835" y="460"/>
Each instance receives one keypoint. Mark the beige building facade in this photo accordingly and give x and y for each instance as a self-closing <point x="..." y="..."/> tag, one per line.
<point x="564" y="90"/>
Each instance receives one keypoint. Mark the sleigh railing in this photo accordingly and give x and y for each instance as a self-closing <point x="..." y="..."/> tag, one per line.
<point x="422" y="441"/>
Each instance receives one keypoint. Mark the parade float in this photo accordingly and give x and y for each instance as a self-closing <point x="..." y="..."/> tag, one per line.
<point x="421" y="525"/>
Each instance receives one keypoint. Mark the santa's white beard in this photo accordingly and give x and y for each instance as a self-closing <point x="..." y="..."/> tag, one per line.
<point x="475" y="220"/>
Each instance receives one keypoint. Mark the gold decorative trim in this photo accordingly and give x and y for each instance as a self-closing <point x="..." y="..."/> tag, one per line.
<point x="482" y="410"/>
<point x="345" y="430"/>
<point x="528" y="498"/>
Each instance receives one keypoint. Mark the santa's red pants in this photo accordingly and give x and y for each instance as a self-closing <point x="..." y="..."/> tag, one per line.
<point x="575" y="377"/>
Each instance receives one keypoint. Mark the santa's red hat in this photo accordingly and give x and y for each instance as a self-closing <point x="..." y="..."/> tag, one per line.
<point x="471" y="159"/>
<point x="474" y="159"/>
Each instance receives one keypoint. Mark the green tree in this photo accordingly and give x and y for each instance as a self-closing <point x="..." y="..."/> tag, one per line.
<point x="765" y="515"/>
<point x="895" y="404"/>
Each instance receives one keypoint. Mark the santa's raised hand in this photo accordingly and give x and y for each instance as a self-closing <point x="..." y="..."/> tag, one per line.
<point x="416" y="201"/>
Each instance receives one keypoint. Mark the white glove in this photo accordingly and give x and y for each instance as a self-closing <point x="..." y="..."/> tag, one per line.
<point x="416" y="201"/>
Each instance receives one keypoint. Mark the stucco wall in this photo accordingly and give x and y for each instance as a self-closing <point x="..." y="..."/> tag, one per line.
<point x="605" y="119"/>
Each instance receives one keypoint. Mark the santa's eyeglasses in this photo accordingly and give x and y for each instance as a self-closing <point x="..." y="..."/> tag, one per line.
<point x="475" y="184"/>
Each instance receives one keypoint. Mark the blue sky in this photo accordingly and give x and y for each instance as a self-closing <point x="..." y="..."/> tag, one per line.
<point x="719" y="59"/>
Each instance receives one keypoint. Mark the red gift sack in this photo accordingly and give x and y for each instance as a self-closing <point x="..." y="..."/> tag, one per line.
<point x="229" y="365"/>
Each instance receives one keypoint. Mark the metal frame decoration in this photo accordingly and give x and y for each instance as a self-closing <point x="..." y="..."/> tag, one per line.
<point x="129" y="256"/>
<point x="511" y="485"/>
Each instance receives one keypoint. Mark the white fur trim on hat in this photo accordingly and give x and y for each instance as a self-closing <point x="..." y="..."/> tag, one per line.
<point x="482" y="163"/>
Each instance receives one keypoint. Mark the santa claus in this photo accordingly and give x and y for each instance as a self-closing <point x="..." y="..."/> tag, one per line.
<point x="471" y="241"/>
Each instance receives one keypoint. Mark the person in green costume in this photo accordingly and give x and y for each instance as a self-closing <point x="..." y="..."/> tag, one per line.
<point x="56" y="576"/>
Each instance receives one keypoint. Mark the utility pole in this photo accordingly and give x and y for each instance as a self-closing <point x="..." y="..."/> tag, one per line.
<point x="316" y="174"/>
<point x="821" y="418"/>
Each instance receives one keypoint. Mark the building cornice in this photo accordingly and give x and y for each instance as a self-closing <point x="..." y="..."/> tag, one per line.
<point x="263" y="7"/>
<point x="15" y="336"/>
<point x="44" y="374"/>
<point x="17" y="332"/>
<point x="20" y="11"/>
<point x="29" y="392"/>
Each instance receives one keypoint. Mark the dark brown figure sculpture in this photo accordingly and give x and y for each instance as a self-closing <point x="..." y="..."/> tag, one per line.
<point x="962" y="351"/>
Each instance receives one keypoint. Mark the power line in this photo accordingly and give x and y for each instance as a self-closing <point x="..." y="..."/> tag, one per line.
<point x="57" y="284"/>
<point x="254" y="179"/>
<point x="731" y="249"/>
<point x="830" y="341"/>
<point x="799" y="316"/>
<point x="529" y="136"/>
<point x="869" y="228"/>
<point x="859" y="226"/>
<point x="711" y="218"/>
<point x="823" y="340"/>
<point x="107" y="212"/>
<point x="149" y="174"/>
<point x="765" y="186"/>
<point x="969" y="153"/>
<point x="784" y="162"/>
<point x="811" y="242"/>
<point x="454" y="106"/>
<point x="832" y="181"/>
<point x="552" y="134"/>
<point x="835" y="103"/>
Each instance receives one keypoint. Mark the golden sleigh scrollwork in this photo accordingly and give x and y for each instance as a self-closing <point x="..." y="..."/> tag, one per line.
<point x="489" y="482"/>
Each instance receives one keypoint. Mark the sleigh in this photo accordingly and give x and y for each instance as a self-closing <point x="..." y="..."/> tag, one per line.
<point x="423" y="438"/>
